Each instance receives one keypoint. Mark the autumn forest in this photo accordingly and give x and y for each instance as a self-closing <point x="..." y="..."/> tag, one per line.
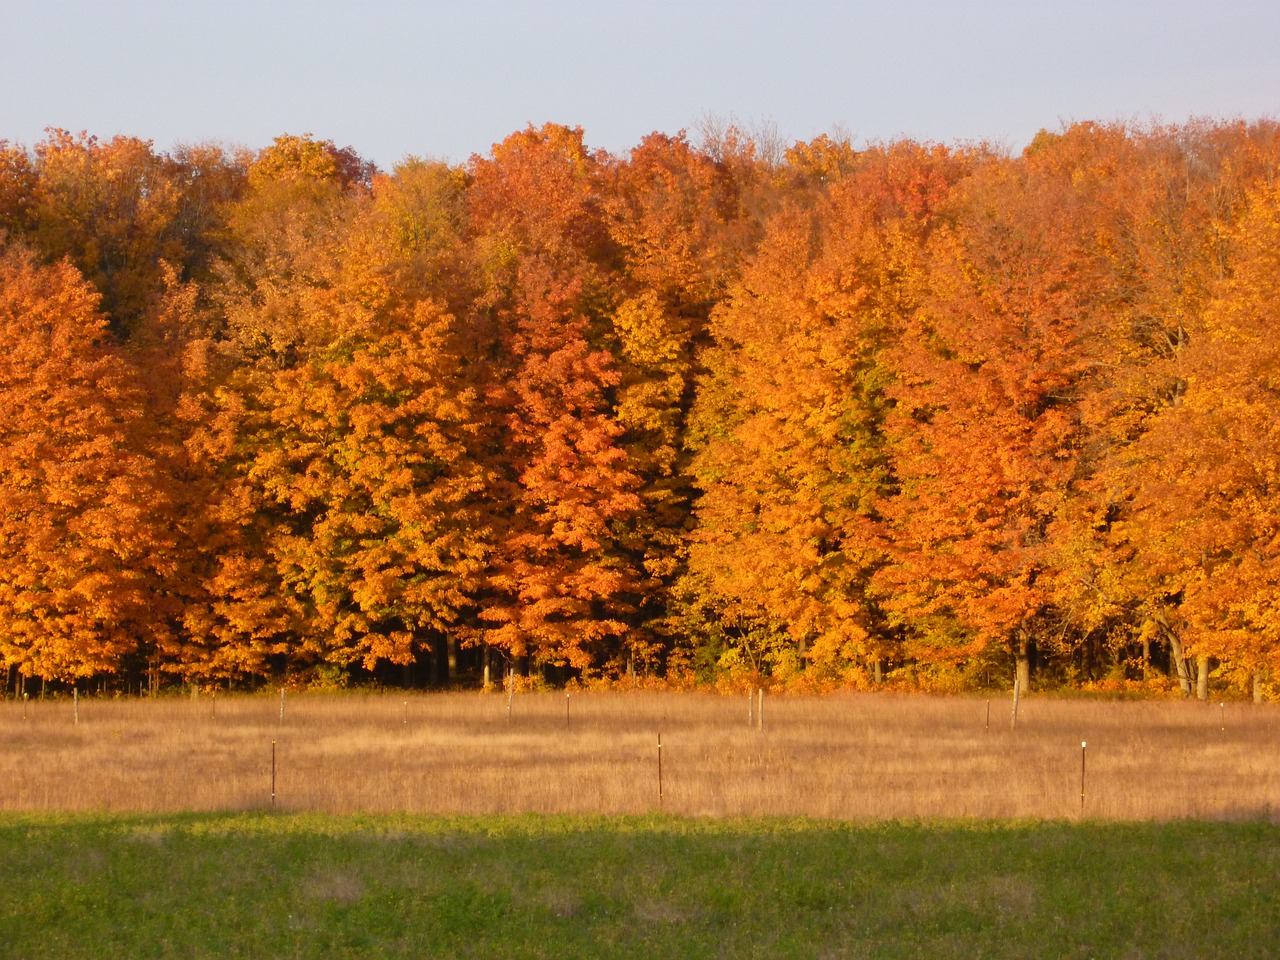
<point x="913" y="414"/>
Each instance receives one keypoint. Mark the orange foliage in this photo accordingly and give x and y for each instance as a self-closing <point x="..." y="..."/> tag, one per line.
<point x="711" y="408"/>
<point x="985" y="431"/>
<point x="81" y="548"/>
<point x="559" y="583"/>
<point x="1207" y="516"/>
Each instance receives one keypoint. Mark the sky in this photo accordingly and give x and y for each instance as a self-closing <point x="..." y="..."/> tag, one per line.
<point x="394" y="78"/>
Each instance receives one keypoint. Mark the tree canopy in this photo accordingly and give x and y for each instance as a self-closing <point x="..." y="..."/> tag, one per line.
<point x="704" y="408"/>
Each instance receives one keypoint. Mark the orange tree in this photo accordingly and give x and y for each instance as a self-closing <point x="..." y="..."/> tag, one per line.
<point x="1207" y="517"/>
<point x="676" y="219"/>
<point x="334" y="422"/>
<point x="1166" y="199"/>
<point x="791" y="458"/>
<point x="985" y="430"/>
<point x="82" y="519"/>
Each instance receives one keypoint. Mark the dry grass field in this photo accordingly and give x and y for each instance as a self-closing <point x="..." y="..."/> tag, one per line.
<point x="854" y="757"/>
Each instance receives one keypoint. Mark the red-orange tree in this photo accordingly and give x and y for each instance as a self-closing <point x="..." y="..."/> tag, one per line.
<point x="560" y="585"/>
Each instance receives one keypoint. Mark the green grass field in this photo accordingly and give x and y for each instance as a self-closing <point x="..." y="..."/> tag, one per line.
<point x="303" y="885"/>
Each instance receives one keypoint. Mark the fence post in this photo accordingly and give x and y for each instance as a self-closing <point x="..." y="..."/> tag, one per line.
<point x="1083" y="746"/>
<point x="659" y="770"/>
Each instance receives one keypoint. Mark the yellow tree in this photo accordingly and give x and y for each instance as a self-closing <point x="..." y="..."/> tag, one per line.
<point x="362" y="456"/>
<point x="112" y="208"/>
<point x="270" y="304"/>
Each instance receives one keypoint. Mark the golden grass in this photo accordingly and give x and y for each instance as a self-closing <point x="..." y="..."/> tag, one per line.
<point x="854" y="756"/>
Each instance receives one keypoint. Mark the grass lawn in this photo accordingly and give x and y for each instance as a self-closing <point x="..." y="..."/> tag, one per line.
<point x="309" y="885"/>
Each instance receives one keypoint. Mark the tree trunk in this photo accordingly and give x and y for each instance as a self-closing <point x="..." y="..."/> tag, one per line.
<point x="877" y="670"/>
<point x="1022" y="671"/>
<point x="1202" y="677"/>
<point x="1257" y="686"/>
<point x="1146" y="658"/>
<point x="451" y="654"/>
<point x="1177" y="661"/>
<point x="484" y="656"/>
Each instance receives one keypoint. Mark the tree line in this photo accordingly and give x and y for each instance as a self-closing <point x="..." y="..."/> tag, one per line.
<point x="939" y="414"/>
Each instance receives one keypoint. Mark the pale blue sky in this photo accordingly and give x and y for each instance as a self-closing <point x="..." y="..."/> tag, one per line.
<point x="448" y="79"/>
